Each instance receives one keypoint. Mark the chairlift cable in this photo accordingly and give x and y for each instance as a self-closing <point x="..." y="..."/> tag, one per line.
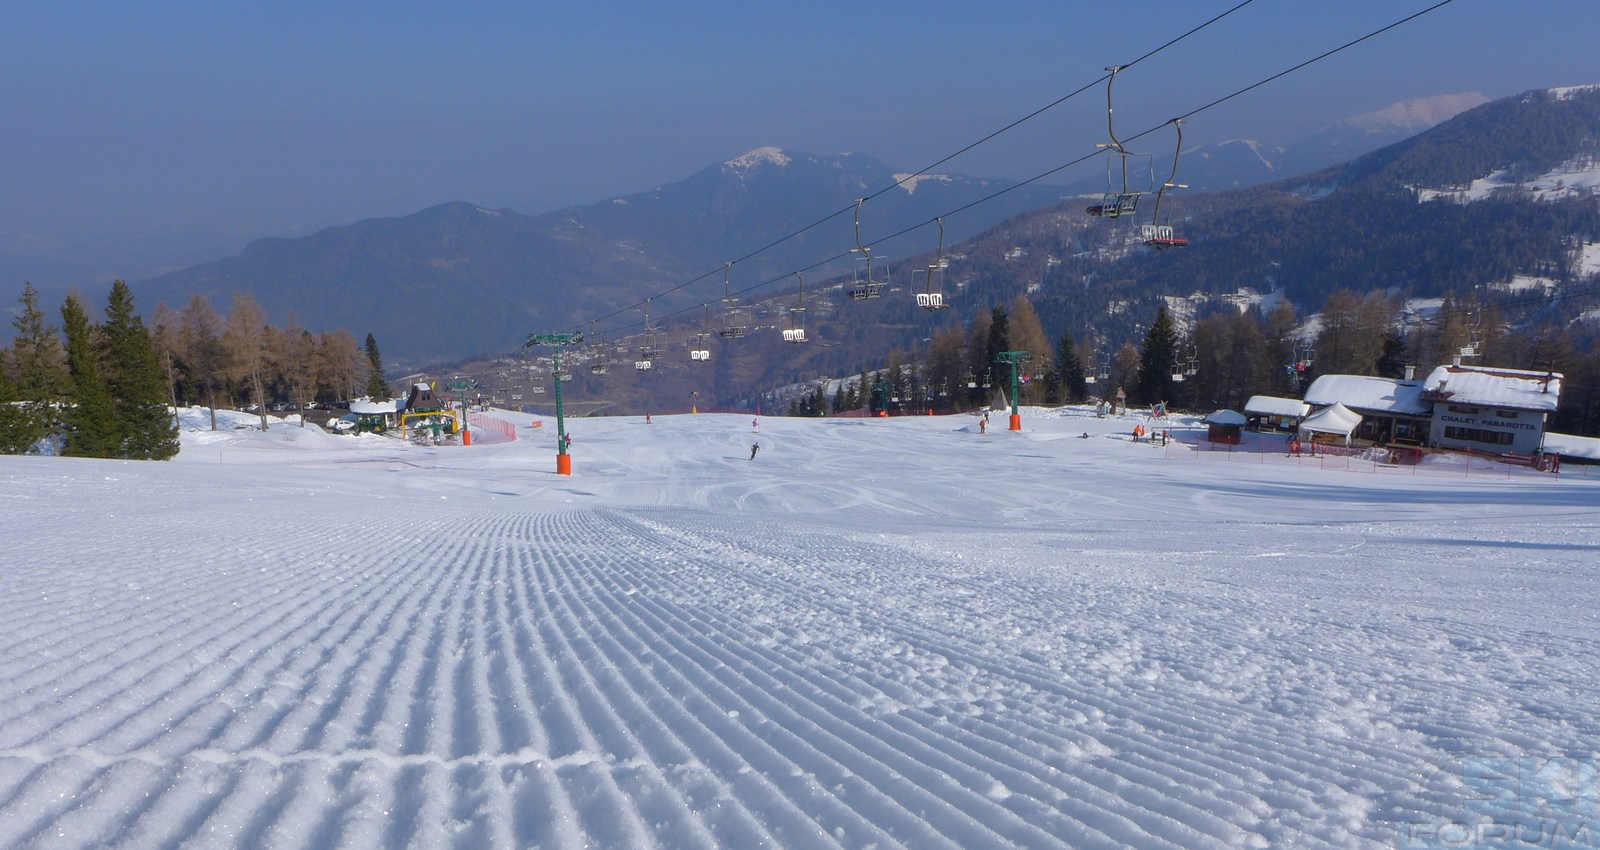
<point x="925" y="169"/>
<point x="1064" y="166"/>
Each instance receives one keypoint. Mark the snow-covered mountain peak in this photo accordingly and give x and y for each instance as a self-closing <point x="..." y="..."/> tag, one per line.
<point x="762" y="155"/>
<point x="1417" y="114"/>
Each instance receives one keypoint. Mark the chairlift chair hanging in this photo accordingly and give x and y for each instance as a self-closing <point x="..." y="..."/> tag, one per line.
<point x="796" y="332"/>
<point x="650" y="349"/>
<point x="733" y="324"/>
<point x="866" y="283"/>
<point x="700" y="346"/>
<point x="1157" y="235"/>
<point x="932" y="296"/>
<point x="601" y="363"/>
<point x="1121" y="197"/>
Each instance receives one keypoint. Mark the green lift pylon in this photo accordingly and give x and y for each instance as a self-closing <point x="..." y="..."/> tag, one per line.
<point x="1014" y="357"/>
<point x="556" y="342"/>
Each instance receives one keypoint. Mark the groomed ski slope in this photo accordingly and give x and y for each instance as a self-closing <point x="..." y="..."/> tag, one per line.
<point x="878" y="633"/>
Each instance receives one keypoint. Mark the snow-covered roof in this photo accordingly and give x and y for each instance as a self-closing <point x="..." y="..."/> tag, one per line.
<point x="371" y="406"/>
<point x="1333" y="419"/>
<point x="1514" y="388"/>
<point x="1359" y="392"/>
<point x="1268" y="405"/>
<point x="1225" y="417"/>
<point x="1571" y="445"/>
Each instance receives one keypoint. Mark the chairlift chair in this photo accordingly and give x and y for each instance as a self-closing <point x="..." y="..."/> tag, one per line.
<point x="866" y="284"/>
<point x="733" y="325"/>
<point x="1157" y="235"/>
<point x="796" y="331"/>
<point x="601" y="364"/>
<point x="932" y="298"/>
<point x="1120" y="198"/>
<point x="650" y="348"/>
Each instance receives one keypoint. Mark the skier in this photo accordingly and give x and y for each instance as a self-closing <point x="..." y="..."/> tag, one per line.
<point x="755" y="425"/>
<point x="754" y="447"/>
<point x="983" y="424"/>
<point x="566" y="442"/>
<point x="647" y="419"/>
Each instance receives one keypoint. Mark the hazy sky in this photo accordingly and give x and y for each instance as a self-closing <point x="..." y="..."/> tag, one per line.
<point x="137" y="135"/>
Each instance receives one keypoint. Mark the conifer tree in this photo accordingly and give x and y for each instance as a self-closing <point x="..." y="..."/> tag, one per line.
<point x="377" y="384"/>
<point x="132" y="377"/>
<point x="18" y="431"/>
<point x="201" y="353"/>
<point x="39" y="364"/>
<point x="89" y="420"/>
<point x="1156" y="360"/>
<point x="1067" y="377"/>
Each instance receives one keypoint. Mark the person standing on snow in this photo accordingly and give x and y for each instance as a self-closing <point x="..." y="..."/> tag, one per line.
<point x="755" y="425"/>
<point x="647" y="419"/>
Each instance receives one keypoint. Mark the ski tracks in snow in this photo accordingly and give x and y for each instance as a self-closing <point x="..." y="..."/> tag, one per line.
<point x="490" y="676"/>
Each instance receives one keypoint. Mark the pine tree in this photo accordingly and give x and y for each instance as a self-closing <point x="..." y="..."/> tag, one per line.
<point x="133" y="378"/>
<point x="202" y="356"/>
<point x="89" y="420"/>
<point x="1156" y="361"/>
<point x="40" y="367"/>
<point x="1068" y="376"/>
<point x="377" y="384"/>
<point x="18" y="431"/>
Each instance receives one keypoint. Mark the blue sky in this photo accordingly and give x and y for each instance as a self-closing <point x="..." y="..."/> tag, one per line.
<point x="141" y="135"/>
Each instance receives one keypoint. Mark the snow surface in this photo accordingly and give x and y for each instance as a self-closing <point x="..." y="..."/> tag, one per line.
<point x="1575" y="178"/>
<point x="877" y="633"/>
<point x="1588" y="259"/>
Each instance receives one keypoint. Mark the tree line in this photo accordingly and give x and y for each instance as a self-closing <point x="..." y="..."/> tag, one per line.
<point x="110" y="388"/>
<point x="1225" y="356"/>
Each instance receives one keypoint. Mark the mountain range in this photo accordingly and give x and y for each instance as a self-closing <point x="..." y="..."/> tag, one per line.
<point x="458" y="279"/>
<point x="1458" y="205"/>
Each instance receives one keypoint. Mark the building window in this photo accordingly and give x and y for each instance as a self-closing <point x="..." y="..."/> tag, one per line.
<point x="1506" y="414"/>
<point x="1478" y="435"/>
<point x="1461" y="408"/>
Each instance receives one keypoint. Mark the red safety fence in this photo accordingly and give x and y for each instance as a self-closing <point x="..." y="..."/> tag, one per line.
<point x="488" y="428"/>
<point x="1394" y="460"/>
